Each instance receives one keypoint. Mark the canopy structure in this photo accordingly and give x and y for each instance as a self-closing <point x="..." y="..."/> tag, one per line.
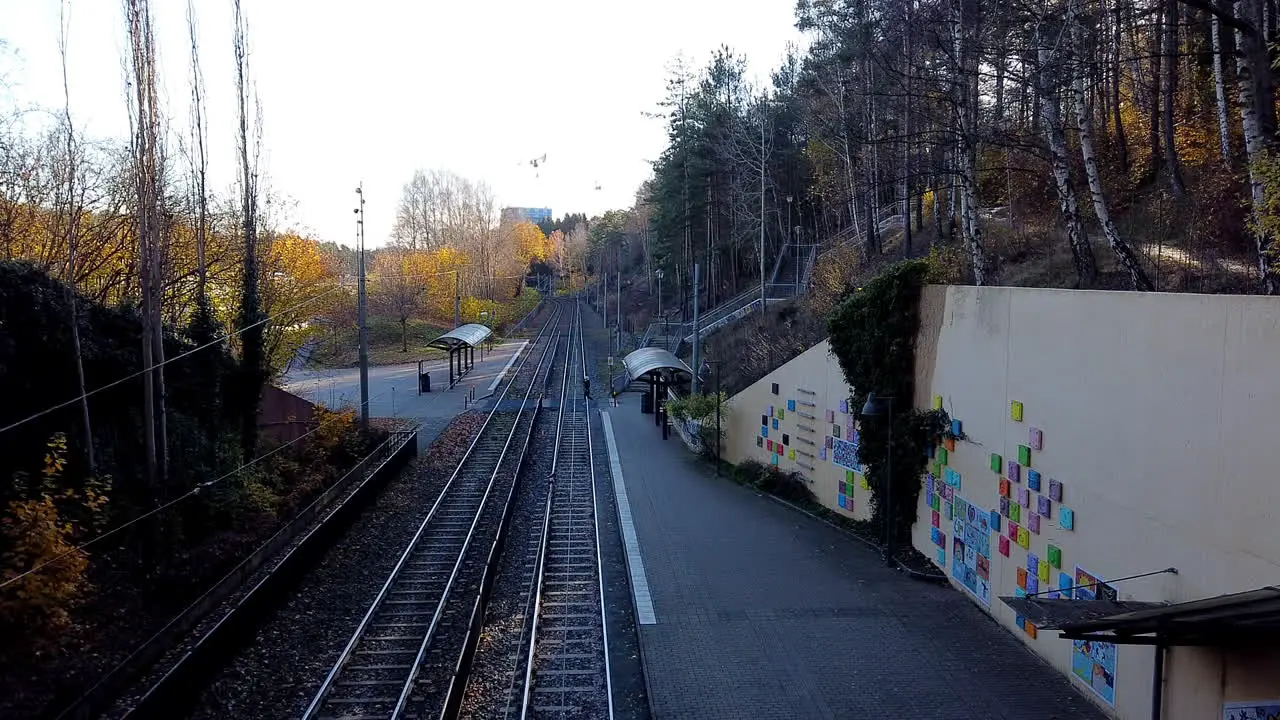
<point x="461" y="343"/>
<point x="1245" y="617"/>
<point x="651" y="362"/>
<point x="469" y="335"/>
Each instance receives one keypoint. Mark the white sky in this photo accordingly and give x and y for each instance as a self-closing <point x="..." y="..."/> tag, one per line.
<point x="371" y="90"/>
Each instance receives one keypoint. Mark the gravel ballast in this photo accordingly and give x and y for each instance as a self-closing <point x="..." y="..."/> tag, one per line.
<point x="278" y="673"/>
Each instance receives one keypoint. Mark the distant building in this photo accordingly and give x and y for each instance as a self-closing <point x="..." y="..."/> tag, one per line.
<point x="520" y="214"/>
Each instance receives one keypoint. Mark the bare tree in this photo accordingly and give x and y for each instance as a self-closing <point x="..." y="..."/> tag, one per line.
<point x="68" y="216"/>
<point x="253" y="352"/>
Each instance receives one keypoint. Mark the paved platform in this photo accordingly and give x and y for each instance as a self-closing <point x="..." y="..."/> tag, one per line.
<point x="393" y="389"/>
<point x="759" y="611"/>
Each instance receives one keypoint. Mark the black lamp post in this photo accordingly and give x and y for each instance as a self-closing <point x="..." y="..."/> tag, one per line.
<point x="706" y="366"/>
<point x="883" y="407"/>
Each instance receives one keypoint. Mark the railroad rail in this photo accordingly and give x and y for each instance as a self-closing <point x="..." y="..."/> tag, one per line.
<point x="567" y="659"/>
<point x="391" y="665"/>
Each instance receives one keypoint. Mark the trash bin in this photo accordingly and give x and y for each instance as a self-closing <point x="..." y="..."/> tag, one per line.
<point x="646" y="403"/>
<point x="424" y="382"/>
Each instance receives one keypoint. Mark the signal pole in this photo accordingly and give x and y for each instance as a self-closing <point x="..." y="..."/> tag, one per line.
<point x="363" y="316"/>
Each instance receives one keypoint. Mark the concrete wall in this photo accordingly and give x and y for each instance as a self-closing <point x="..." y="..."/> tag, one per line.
<point x="1155" y="415"/>
<point x="814" y="383"/>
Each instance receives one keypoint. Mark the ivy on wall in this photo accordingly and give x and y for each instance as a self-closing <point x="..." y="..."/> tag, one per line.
<point x="873" y="336"/>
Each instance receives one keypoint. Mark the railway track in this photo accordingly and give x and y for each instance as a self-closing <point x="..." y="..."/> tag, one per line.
<point x="548" y="657"/>
<point x="398" y="661"/>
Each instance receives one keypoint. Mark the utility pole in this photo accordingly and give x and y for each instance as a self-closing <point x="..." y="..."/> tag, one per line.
<point x="363" y="316"/>
<point x="762" y="117"/>
<point x="618" y="295"/>
<point x="697" y="339"/>
<point x="457" y="298"/>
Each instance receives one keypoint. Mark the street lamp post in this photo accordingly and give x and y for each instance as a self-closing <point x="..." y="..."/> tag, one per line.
<point x="883" y="407"/>
<point x="706" y="367"/>
<point x="362" y="317"/>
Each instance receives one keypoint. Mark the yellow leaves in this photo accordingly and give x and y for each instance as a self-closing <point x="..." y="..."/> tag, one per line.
<point x="530" y="243"/>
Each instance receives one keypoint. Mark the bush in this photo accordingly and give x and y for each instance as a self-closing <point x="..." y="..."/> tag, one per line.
<point x="701" y="410"/>
<point x="768" y="478"/>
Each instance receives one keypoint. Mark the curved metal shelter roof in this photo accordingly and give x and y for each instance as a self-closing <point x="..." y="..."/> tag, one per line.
<point x="652" y="359"/>
<point x="469" y="335"/>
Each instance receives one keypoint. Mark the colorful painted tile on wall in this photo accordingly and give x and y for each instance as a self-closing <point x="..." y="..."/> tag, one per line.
<point x="1024" y="538"/>
<point x="1033" y="523"/>
<point x="830" y="441"/>
<point x="1033" y="564"/>
<point x="1036" y="441"/>
<point x="1044" y="506"/>
<point x="942" y="557"/>
<point x="770" y="446"/>
<point x="937" y="402"/>
<point x="937" y="518"/>
<point x="1032" y="630"/>
<point x="759" y="441"/>
<point x="1015" y="472"/>
<point x="949" y="444"/>
<point x="764" y="419"/>
<point x="774" y="388"/>
<point x="993" y="520"/>
<point x="1055" y="490"/>
<point x="1024" y="497"/>
<point x="770" y="411"/>
<point x="1013" y="530"/>
<point x="1004" y="506"/>
<point x="791" y="405"/>
<point x="1065" y="584"/>
<point x="1015" y="410"/>
<point x="1066" y="517"/>
<point x="1004" y="546"/>
<point x="835" y="431"/>
<point x="775" y="423"/>
<point x="775" y="459"/>
<point x="1015" y="511"/>
<point x="1024" y="455"/>
<point x="844" y="406"/>
<point x="946" y="510"/>
<point x="831" y="416"/>
<point x="782" y="414"/>
<point x="1033" y="480"/>
<point x="1055" y="556"/>
<point x="1044" y="572"/>
<point x="996" y="462"/>
<point x="1023" y="576"/>
<point x="1033" y="584"/>
<point x="943" y="455"/>
<point x="1004" y="487"/>
<point x="957" y="427"/>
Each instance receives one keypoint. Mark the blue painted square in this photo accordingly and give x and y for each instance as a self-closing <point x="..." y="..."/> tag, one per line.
<point x="841" y="501"/>
<point x="764" y="431"/>
<point x="775" y="423"/>
<point x="1066" y="517"/>
<point x="791" y="406"/>
<point x="1033" y="479"/>
<point x="1065" y="583"/>
<point x="942" y="557"/>
<point x="995" y="519"/>
<point x="955" y="428"/>
<point x="775" y="458"/>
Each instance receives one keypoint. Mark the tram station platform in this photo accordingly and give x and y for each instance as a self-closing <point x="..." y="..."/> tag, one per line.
<point x="393" y="389"/>
<point x="748" y="608"/>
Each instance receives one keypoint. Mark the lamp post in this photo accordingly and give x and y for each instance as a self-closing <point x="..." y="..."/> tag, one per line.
<point x="706" y="367"/>
<point x="658" y="273"/>
<point x="883" y="407"/>
<point x="362" y="316"/>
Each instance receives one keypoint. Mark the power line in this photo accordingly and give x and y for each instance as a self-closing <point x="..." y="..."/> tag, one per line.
<point x="175" y="358"/>
<point x="161" y="508"/>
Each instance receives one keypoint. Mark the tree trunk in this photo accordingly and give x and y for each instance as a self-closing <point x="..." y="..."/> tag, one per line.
<point x="1153" y="117"/>
<point x="1084" y="115"/>
<point x="1257" y="115"/>
<point x="1170" y="50"/>
<point x="1122" y="145"/>
<point x="1220" y="90"/>
<point x="1081" y="251"/>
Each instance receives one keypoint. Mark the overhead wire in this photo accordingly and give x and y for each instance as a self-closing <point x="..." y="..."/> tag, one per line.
<point x="185" y="496"/>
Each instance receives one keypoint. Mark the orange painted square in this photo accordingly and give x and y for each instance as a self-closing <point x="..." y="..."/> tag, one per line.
<point x="1032" y="630"/>
<point x="1022" y="578"/>
<point x="1004" y="487"/>
<point x="951" y="444"/>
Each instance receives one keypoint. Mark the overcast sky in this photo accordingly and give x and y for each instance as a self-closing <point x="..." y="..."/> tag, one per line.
<point x="369" y="91"/>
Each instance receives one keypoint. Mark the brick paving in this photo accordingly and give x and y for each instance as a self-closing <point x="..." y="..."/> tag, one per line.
<point x="763" y="612"/>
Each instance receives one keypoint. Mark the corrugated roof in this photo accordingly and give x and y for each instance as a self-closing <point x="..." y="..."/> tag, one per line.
<point x="471" y="335"/>
<point x="649" y="359"/>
